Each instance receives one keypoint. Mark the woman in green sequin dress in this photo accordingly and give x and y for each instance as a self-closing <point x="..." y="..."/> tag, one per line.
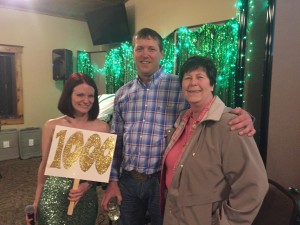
<point x="79" y="104"/>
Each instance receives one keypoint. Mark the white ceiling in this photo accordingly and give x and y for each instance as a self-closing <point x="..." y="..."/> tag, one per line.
<point x="72" y="9"/>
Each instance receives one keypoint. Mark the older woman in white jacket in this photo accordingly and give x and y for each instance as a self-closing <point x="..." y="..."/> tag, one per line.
<point x="210" y="175"/>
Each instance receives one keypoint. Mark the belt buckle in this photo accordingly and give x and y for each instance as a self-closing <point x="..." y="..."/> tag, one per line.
<point x="138" y="176"/>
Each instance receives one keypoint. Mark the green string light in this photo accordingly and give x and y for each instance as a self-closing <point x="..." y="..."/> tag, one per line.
<point x="85" y="66"/>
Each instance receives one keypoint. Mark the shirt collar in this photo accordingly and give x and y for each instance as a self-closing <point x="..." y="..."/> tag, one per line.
<point x="189" y="112"/>
<point x="187" y="115"/>
<point x="153" y="79"/>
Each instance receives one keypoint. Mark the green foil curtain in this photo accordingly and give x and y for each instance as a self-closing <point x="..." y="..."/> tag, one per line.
<point x="217" y="41"/>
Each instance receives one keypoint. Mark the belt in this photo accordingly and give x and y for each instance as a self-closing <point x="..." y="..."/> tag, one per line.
<point x="142" y="176"/>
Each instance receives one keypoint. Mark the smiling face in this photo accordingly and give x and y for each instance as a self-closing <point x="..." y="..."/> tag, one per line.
<point x="82" y="98"/>
<point x="196" y="87"/>
<point x="147" y="56"/>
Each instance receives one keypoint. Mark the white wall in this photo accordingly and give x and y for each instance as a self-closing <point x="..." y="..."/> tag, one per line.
<point x="165" y="16"/>
<point x="40" y="34"/>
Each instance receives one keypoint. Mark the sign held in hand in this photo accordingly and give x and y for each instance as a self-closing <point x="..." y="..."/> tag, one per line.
<point x="81" y="154"/>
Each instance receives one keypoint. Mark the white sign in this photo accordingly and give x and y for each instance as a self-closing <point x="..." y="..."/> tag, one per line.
<point x="81" y="154"/>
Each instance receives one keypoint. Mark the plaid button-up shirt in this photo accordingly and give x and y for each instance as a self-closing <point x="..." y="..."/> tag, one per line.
<point x="142" y="114"/>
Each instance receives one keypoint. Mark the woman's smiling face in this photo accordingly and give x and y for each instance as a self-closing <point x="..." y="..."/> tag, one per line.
<point x="82" y="98"/>
<point x="196" y="87"/>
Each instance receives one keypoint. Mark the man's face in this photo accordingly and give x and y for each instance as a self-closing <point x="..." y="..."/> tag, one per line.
<point x="147" y="56"/>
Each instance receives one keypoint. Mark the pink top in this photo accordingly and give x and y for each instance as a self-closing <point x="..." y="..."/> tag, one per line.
<point x="174" y="155"/>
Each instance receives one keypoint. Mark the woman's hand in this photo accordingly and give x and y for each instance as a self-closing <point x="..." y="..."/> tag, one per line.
<point x="242" y="121"/>
<point x="29" y="220"/>
<point x="76" y="194"/>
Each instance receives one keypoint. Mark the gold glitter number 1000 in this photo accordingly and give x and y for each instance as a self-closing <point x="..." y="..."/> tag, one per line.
<point x="82" y="152"/>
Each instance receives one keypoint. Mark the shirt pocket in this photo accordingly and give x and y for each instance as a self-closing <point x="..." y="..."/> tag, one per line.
<point x="198" y="199"/>
<point x="199" y="207"/>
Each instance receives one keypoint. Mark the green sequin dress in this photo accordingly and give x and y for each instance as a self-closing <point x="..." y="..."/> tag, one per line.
<point x="53" y="204"/>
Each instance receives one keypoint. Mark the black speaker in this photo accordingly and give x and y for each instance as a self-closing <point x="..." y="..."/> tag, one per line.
<point x="62" y="64"/>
